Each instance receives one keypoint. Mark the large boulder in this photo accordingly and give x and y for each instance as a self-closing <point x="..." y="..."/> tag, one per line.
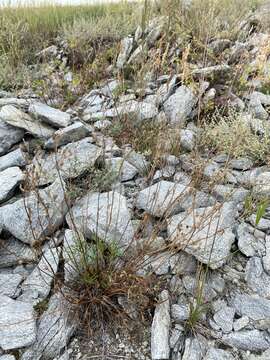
<point x="37" y="215"/>
<point x="105" y="215"/>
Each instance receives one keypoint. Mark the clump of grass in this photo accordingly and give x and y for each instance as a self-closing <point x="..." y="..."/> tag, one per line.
<point x="234" y="136"/>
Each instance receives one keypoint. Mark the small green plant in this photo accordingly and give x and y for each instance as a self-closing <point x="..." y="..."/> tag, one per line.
<point x="261" y="209"/>
<point x="254" y="205"/>
<point x="41" y="306"/>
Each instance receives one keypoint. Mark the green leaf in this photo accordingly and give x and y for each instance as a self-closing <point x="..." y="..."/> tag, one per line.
<point x="261" y="211"/>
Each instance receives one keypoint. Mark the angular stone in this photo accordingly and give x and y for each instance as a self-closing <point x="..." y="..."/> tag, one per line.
<point x="256" y="106"/>
<point x="252" y="340"/>
<point x="262" y="185"/>
<point x="49" y="115"/>
<point x="125" y="51"/>
<point x="263" y="225"/>
<point x="205" y="233"/>
<point x="14" y="252"/>
<point x="36" y="216"/>
<point x="18" y="118"/>
<point x="9" y="135"/>
<point x="224" y="318"/>
<point x="9" y="284"/>
<point x="212" y="71"/>
<point x="230" y="193"/>
<point x="160" y="332"/>
<point x="187" y="139"/>
<point x="122" y="169"/>
<point x="7" y="357"/>
<point x="38" y="284"/>
<point x="166" y="198"/>
<point x="71" y="133"/>
<point x="105" y="215"/>
<point x="241" y="164"/>
<point x="218" y="354"/>
<point x="137" y="160"/>
<point x="256" y="308"/>
<point x="179" y="106"/>
<point x="194" y="349"/>
<point x="257" y="279"/>
<point x="248" y="244"/>
<point x="69" y="162"/>
<point x="180" y="312"/>
<point x="21" y="103"/>
<point x="17" y="324"/>
<point x="13" y="158"/>
<point x="56" y="326"/>
<point x="9" y="180"/>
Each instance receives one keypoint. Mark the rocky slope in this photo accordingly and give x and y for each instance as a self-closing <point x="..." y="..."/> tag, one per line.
<point x="44" y="150"/>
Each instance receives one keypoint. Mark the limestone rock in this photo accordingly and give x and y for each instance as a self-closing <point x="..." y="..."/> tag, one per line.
<point x="9" y="284"/>
<point x="49" y="115"/>
<point x="13" y="158"/>
<point x="14" y="252"/>
<point x="252" y="340"/>
<point x="9" y="180"/>
<point x="9" y="135"/>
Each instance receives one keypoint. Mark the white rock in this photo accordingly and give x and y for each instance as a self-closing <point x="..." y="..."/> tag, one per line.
<point x="122" y="169"/>
<point x="49" y="115"/>
<point x="224" y="318"/>
<point x="160" y="332"/>
<point x="17" y="324"/>
<point x="218" y="354"/>
<point x="125" y="51"/>
<point x="9" y="284"/>
<point x="252" y="340"/>
<point x="262" y="185"/>
<point x="9" y="180"/>
<point x="14" y="252"/>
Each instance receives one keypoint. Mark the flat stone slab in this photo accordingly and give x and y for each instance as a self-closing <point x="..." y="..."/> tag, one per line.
<point x="17" y="324"/>
<point x="49" y="114"/>
<point x="17" y="118"/>
<point x="9" y="284"/>
<point x="9" y="180"/>
<point x="9" y="135"/>
<point x="14" y="252"/>
<point x="13" y="158"/>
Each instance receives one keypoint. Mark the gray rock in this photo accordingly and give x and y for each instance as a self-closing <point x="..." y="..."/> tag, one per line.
<point x="218" y="354"/>
<point x="9" y="180"/>
<point x="13" y="158"/>
<point x="102" y="124"/>
<point x="137" y="160"/>
<point x="7" y="357"/>
<point x="262" y="185"/>
<point x="69" y="162"/>
<point x="241" y="164"/>
<point x="71" y="133"/>
<point x="178" y="107"/>
<point x="241" y="323"/>
<point x="263" y="225"/>
<point x="180" y="312"/>
<point x="256" y="308"/>
<point x="256" y="278"/>
<point x="56" y="326"/>
<point x="122" y="169"/>
<point x="224" y="318"/>
<point x="17" y="118"/>
<point x="38" y="284"/>
<point x="219" y="45"/>
<point x="212" y="71"/>
<point x="252" y="340"/>
<point x="160" y="332"/>
<point x="21" y="103"/>
<point x="140" y="110"/>
<point x="248" y="244"/>
<point x="17" y="324"/>
<point x="138" y="55"/>
<point x="14" y="252"/>
<point x="230" y="193"/>
<point x="256" y="107"/>
<point x="49" y="115"/>
<point x="9" y="284"/>
<point x="36" y="216"/>
<point x="166" y="198"/>
<point x="9" y="136"/>
<point x="125" y="51"/>
<point x="205" y="233"/>
<point x="266" y="258"/>
<point x="264" y="356"/>
<point x="194" y="349"/>
<point x="187" y="139"/>
<point x="105" y="215"/>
